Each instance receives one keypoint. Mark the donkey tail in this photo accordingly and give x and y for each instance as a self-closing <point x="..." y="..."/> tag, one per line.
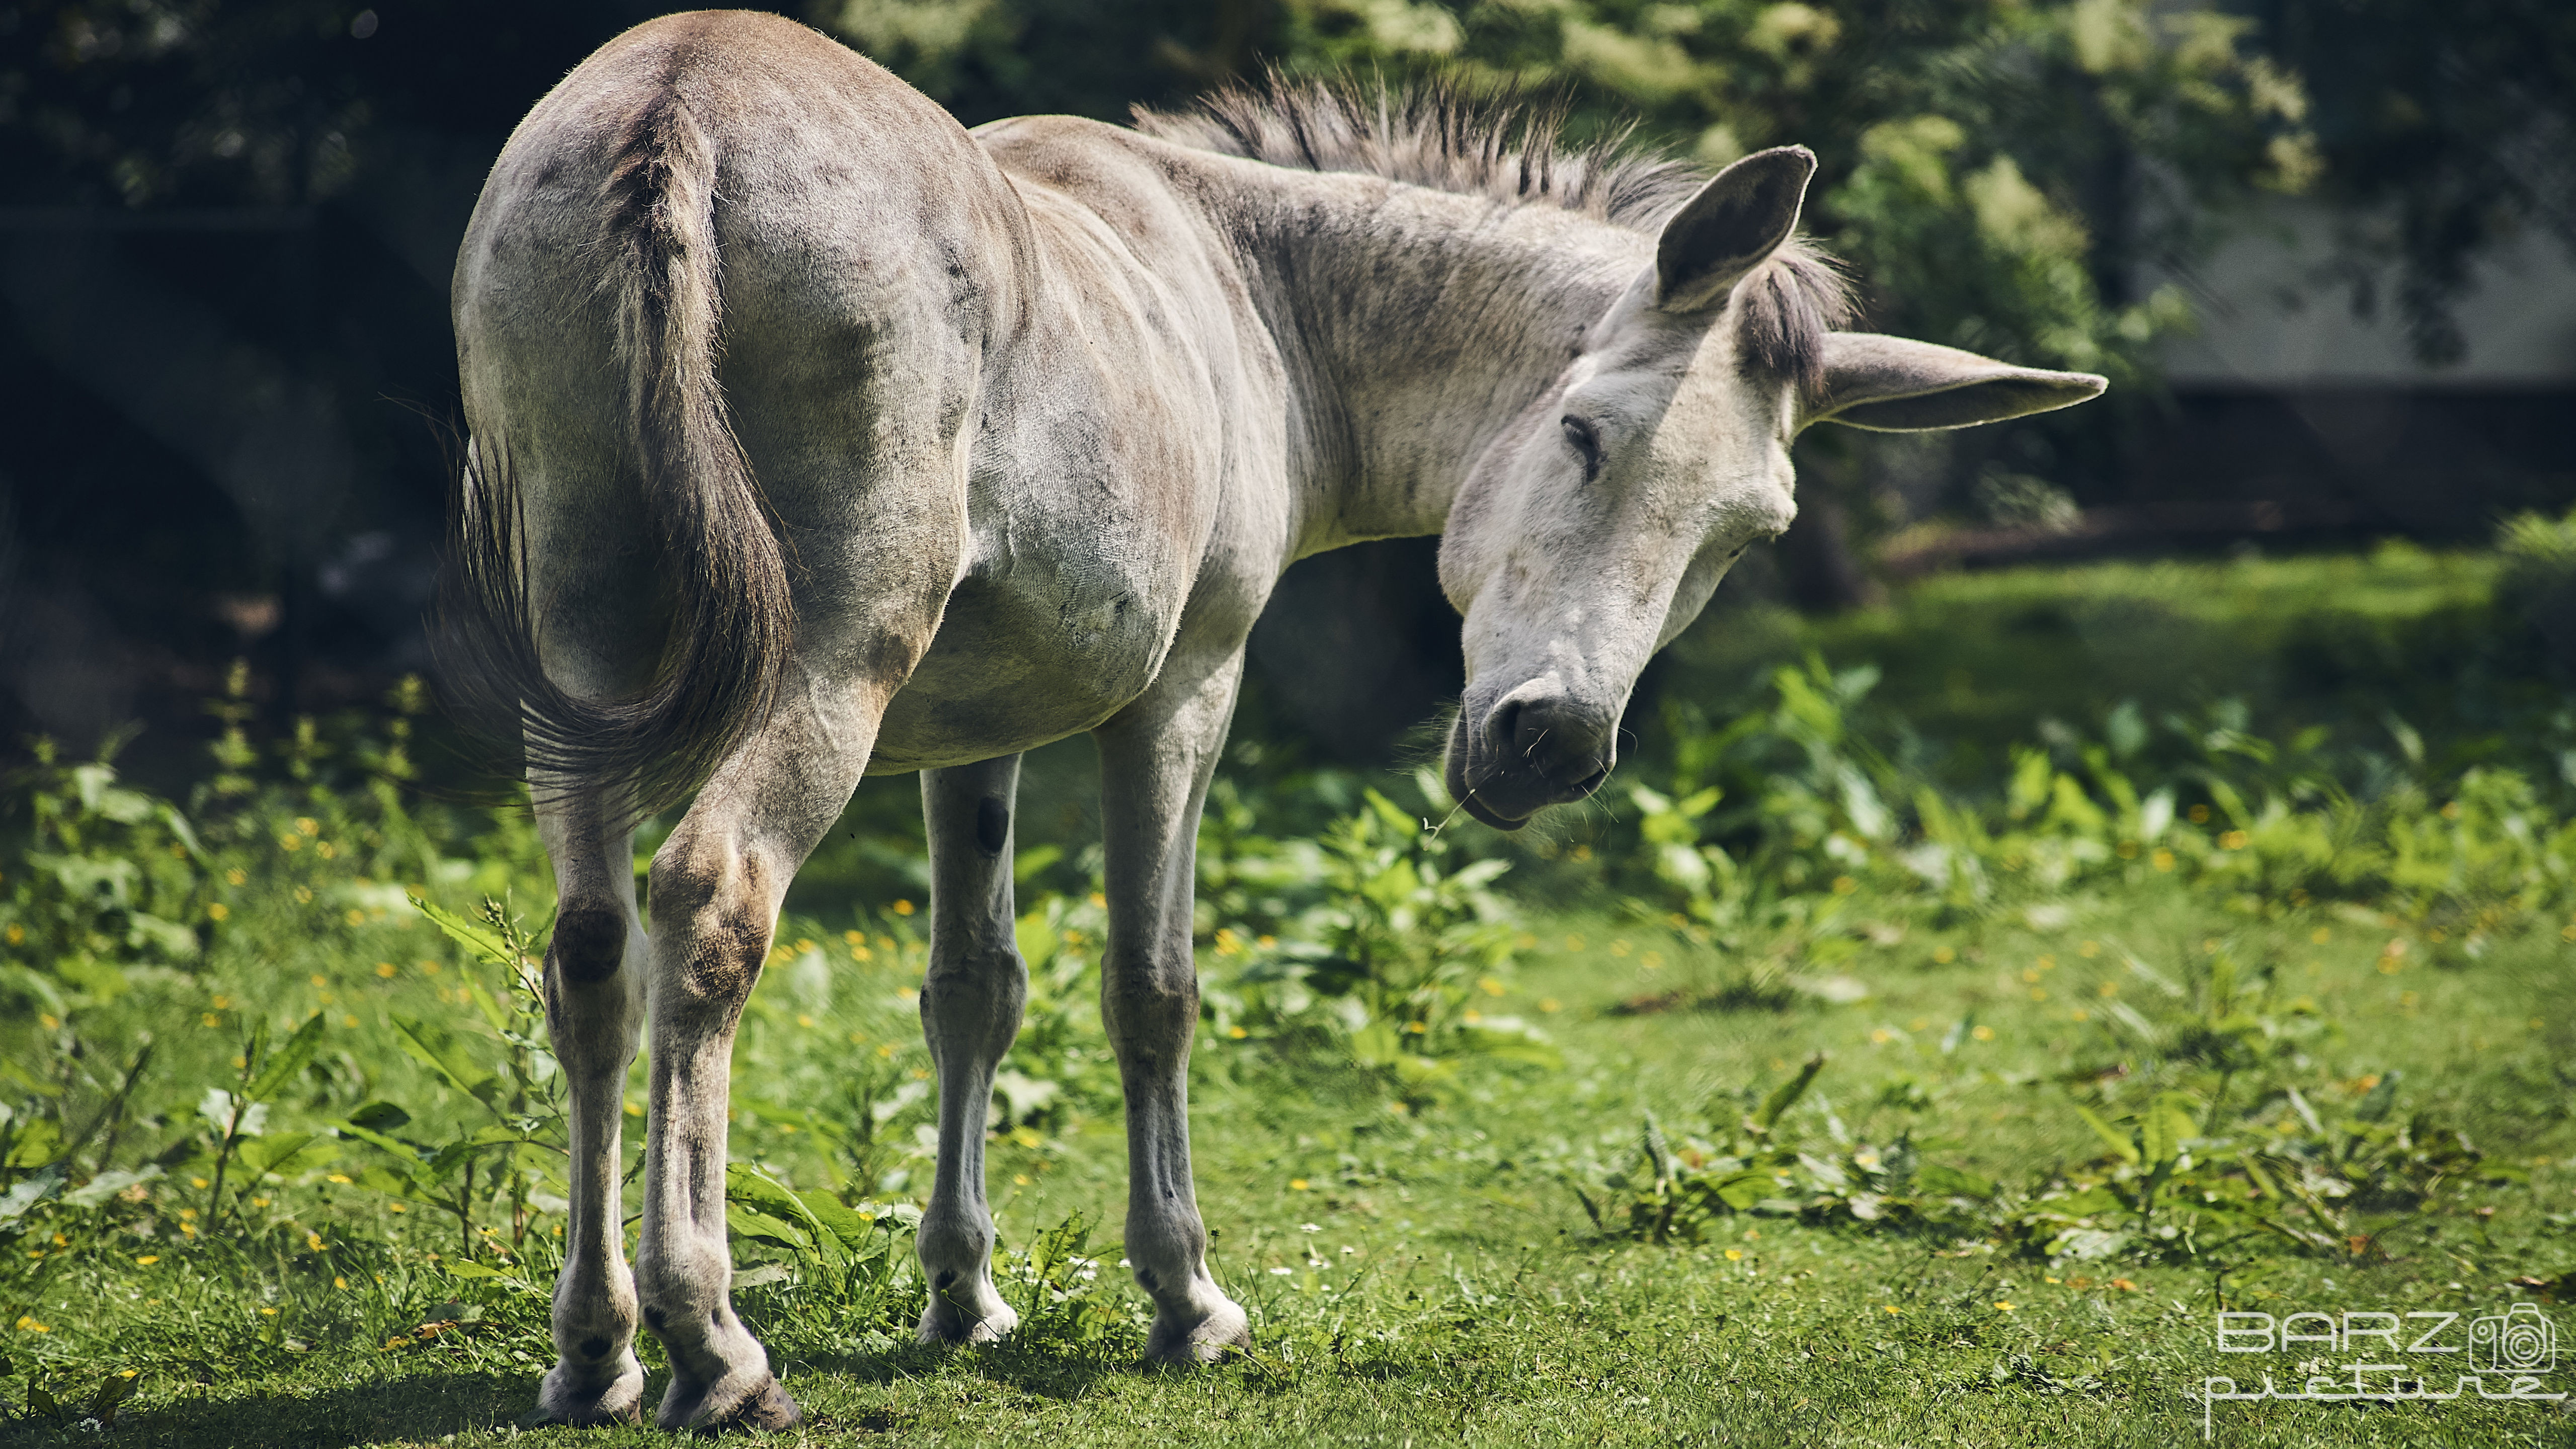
<point x="724" y="578"/>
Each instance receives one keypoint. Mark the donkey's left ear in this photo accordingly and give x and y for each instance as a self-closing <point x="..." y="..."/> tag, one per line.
<point x="1730" y="227"/>
<point x="1897" y="385"/>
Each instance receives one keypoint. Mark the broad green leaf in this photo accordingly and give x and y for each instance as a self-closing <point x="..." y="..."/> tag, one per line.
<point x="1742" y="1190"/>
<point x="1787" y="1093"/>
<point x="1376" y="1044"/>
<point x="392" y="1181"/>
<point x="753" y="1189"/>
<point x="1398" y="819"/>
<point x="108" y="1184"/>
<point x="231" y="1116"/>
<point x="1037" y="939"/>
<point x="373" y="1138"/>
<point x="1026" y="864"/>
<point x="27" y="1193"/>
<point x="2121" y="1146"/>
<point x="178" y="825"/>
<point x="169" y="937"/>
<point x="115" y="1391"/>
<point x="494" y="1014"/>
<point x="461" y="1269"/>
<point x="761" y="1227"/>
<point x="832" y="1213"/>
<point x="1506" y="1040"/>
<point x="1659" y="1157"/>
<point x="2167" y="1125"/>
<point x="271" y="1154"/>
<point x="380" y="1117"/>
<point x="285" y="1061"/>
<point x="438" y="1049"/>
<point x="468" y="934"/>
<point x="2087" y="1243"/>
<point x="2374" y="1106"/>
<point x="35" y="1144"/>
<point x="1953" y="1182"/>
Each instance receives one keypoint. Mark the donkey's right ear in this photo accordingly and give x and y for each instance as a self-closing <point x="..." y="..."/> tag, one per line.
<point x="1898" y="385"/>
<point x="1730" y="227"/>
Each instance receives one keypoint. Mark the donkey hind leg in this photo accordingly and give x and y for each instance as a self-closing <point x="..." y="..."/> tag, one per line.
<point x="594" y="988"/>
<point x="716" y="887"/>
<point x="970" y="1010"/>
<point x="1155" y="760"/>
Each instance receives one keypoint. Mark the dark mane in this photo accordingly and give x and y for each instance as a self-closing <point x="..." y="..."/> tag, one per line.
<point x="1512" y="148"/>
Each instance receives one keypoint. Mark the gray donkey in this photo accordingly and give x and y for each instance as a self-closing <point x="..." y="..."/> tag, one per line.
<point x="815" y="437"/>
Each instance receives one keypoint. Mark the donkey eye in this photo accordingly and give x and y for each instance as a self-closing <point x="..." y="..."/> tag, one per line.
<point x="1586" y="441"/>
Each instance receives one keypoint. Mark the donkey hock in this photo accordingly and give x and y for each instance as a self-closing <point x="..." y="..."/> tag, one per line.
<point x="1009" y="436"/>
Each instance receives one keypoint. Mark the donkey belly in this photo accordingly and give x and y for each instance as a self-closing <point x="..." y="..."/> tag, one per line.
<point x="1018" y="663"/>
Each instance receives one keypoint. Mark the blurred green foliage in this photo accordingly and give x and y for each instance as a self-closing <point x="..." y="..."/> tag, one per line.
<point x="1993" y="172"/>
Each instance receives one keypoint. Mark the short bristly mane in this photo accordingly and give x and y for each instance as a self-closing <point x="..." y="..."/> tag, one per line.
<point x="1513" y="149"/>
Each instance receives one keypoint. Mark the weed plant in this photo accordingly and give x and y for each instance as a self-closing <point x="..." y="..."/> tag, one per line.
<point x="276" y="1100"/>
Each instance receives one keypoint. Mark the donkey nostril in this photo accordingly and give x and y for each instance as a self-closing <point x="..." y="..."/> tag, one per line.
<point x="1534" y="729"/>
<point x="1543" y="735"/>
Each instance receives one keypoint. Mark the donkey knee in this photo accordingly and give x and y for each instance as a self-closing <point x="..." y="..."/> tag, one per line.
<point x="589" y="942"/>
<point x="712" y="905"/>
<point x="975" y="999"/>
<point x="1150" y="1011"/>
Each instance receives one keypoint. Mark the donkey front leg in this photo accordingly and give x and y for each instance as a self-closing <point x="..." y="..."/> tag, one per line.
<point x="1155" y="760"/>
<point x="716" y="888"/>
<point x="595" y="970"/>
<point x="970" y="1010"/>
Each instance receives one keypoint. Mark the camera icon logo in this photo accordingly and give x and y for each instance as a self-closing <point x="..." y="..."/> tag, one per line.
<point x="2520" y="1340"/>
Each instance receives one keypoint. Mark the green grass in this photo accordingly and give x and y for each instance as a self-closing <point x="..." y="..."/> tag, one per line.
<point x="1443" y="1280"/>
<point x="1468" y="1299"/>
<point x="1976" y="660"/>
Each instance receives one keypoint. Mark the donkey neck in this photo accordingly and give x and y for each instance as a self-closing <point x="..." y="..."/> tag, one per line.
<point x="1416" y="325"/>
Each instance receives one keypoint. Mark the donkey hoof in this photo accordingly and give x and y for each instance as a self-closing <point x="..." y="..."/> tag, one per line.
<point x="574" y="1403"/>
<point x="1184" y="1343"/>
<point x="744" y="1402"/>
<point x="945" y="1322"/>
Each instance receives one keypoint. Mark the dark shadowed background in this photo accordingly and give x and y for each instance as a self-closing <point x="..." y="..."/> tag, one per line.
<point x="2320" y="245"/>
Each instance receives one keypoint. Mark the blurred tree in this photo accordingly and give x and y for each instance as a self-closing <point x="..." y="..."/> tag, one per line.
<point x="153" y="103"/>
<point x="146" y="102"/>
<point x="1997" y="172"/>
<point x="2445" y="126"/>
<point x="985" y="59"/>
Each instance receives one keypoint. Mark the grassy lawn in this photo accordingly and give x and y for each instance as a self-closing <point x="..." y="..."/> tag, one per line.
<point x="1465" y="1296"/>
<point x="1979" y="659"/>
<point x="1431" y="1184"/>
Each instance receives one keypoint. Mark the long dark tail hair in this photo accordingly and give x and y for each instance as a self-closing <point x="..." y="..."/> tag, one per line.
<point x="724" y="576"/>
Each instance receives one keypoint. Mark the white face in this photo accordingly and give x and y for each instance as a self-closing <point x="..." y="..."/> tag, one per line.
<point x="1596" y="527"/>
<point x="1593" y="532"/>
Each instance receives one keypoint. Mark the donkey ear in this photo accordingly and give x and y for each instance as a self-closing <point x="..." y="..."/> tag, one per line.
<point x="1729" y="227"/>
<point x="1895" y="385"/>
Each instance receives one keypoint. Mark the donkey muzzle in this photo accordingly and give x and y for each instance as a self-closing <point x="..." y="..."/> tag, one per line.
<point x="1530" y="751"/>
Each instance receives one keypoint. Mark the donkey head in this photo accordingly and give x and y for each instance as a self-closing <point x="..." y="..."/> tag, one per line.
<point x="1593" y="530"/>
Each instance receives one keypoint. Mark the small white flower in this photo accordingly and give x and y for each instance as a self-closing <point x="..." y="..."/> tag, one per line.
<point x="1310" y="1227"/>
<point x="1279" y="1272"/>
